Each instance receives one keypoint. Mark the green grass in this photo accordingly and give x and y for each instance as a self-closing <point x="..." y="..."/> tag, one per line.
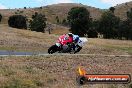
<point x="6" y="71"/>
<point x="7" y="48"/>
<point x="126" y="49"/>
<point x="19" y="83"/>
<point x="21" y="50"/>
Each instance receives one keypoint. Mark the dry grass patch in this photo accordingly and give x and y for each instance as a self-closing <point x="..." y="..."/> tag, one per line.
<point x="108" y="46"/>
<point x="60" y="30"/>
<point x="24" y="40"/>
<point x="59" y="71"/>
<point x="12" y="39"/>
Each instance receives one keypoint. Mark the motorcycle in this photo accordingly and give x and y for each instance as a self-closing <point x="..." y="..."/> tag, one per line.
<point x="68" y="48"/>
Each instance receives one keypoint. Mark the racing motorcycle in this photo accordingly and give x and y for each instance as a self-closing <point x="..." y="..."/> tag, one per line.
<point x="68" y="48"/>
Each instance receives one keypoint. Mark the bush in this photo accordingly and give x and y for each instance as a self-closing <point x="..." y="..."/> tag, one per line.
<point x="38" y="23"/>
<point x="112" y="9"/>
<point x="92" y="33"/>
<point x="17" y="21"/>
<point x="41" y="7"/>
<point x="65" y="23"/>
<point x="25" y="8"/>
<point x="0" y="17"/>
<point x="57" y="19"/>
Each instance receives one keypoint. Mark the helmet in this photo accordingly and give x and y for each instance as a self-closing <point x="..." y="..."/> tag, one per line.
<point x="70" y="34"/>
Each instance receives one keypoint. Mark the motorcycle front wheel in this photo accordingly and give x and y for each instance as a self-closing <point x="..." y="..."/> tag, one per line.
<point x="52" y="49"/>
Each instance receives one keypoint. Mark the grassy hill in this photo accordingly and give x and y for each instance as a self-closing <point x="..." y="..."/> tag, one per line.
<point x="13" y="39"/>
<point x="61" y="10"/>
<point x="121" y="9"/>
<point x="51" y="11"/>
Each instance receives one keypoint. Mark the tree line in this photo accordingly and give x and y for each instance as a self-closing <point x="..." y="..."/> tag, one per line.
<point x="109" y="25"/>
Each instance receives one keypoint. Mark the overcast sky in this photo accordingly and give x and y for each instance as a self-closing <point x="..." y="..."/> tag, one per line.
<point x="103" y="4"/>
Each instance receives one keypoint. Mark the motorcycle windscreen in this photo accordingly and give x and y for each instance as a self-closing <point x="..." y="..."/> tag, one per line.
<point x="83" y="39"/>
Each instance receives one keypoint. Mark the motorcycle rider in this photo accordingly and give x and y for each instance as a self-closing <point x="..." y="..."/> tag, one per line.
<point x="65" y="39"/>
<point x="77" y="43"/>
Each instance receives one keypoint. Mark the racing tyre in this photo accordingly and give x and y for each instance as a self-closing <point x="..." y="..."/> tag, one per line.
<point x="52" y="49"/>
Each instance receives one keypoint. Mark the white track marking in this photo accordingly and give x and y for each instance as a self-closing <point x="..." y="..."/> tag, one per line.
<point x="87" y="55"/>
<point x="71" y="55"/>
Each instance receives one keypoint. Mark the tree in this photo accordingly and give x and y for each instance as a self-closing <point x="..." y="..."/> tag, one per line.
<point x="41" y="7"/>
<point x="112" y="9"/>
<point x="125" y="27"/>
<point x="57" y="19"/>
<point x="38" y="23"/>
<point x="129" y="15"/>
<point x="92" y="33"/>
<point x="95" y="29"/>
<point x="129" y="23"/>
<point x="25" y="8"/>
<point x="123" y="30"/>
<point x="79" y="19"/>
<point x="0" y="17"/>
<point x="64" y="22"/>
<point x="35" y="15"/>
<point x="109" y="24"/>
<point x="17" y="21"/>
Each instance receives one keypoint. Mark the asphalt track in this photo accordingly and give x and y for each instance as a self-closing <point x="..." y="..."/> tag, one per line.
<point x="16" y="53"/>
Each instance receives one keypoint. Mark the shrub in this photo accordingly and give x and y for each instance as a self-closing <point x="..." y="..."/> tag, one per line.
<point x="25" y="8"/>
<point x="38" y="23"/>
<point x="17" y="21"/>
<point x="41" y="7"/>
<point x="0" y="17"/>
<point x="92" y="33"/>
<point x="57" y="19"/>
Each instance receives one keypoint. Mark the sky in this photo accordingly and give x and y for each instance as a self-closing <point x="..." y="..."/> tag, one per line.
<point x="103" y="4"/>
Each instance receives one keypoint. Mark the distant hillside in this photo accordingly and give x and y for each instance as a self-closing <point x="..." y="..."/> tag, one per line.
<point x="8" y="12"/>
<point x="61" y="10"/>
<point x="121" y="9"/>
<point x="51" y="11"/>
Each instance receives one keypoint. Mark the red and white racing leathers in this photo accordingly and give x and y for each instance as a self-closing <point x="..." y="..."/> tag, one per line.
<point x="64" y="39"/>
